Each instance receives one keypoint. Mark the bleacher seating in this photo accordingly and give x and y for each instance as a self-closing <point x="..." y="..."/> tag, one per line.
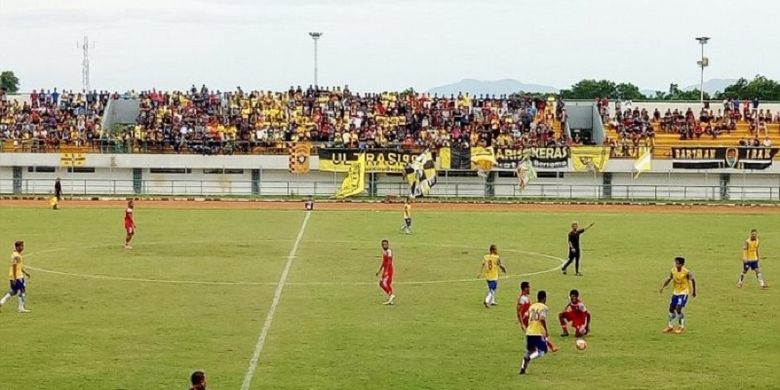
<point x="694" y="132"/>
<point x="204" y="121"/>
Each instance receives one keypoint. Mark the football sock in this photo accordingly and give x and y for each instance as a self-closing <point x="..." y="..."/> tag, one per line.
<point x="760" y="278"/>
<point x="671" y="318"/>
<point x="492" y="296"/>
<point x="5" y="298"/>
<point x="537" y="354"/>
<point x="487" y="297"/>
<point x="681" y="317"/>
<point x="22" y="297"/>
<point x="741" y="278"/>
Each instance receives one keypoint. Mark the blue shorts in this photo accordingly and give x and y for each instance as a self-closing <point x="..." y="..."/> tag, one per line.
<point x="16" y="285"/>
<point x="492" y="284"/>
<point x="535" y="343"/>
<point x="679" y="300"/>
<point x="749" y="265"/>
<point x="408" y="221"/>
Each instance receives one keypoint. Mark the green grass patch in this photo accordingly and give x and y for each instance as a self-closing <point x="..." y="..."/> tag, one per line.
<point x="195" y="291"/>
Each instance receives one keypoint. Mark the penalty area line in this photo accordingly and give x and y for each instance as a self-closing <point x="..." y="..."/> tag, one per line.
<point x="250" y="372"/>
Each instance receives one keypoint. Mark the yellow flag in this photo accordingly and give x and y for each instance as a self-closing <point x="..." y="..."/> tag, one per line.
<point x="589" y="158"/>
<point x="483" y="159"/>
<point x="355" y="181"/>
<point x="445" y="158"/>
<point x="644" y="162"/>
<point x="421" y="175"/>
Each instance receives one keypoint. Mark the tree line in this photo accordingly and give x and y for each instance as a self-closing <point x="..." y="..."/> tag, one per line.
<point x="759" y="87"/>
<point x="9" y="82"/>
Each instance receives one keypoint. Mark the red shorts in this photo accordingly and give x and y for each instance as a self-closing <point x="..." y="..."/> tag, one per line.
<point x="387" y="278"/>
<point x="577" y="319"/>
<point x="130" y="229"/>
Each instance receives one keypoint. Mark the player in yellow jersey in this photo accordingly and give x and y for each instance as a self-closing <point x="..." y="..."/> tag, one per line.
<point x="407" y="226"/>
<point x="684" y="284"/>
<point x="750" y="259"/>
<point x="536" y="333"/>
<point x="16" y="274"/>
<point x="491" y="263"/>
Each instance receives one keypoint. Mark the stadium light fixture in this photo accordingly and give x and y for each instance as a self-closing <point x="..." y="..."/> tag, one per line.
<point x="703" y="63"/>
<point x="315" y="36"/>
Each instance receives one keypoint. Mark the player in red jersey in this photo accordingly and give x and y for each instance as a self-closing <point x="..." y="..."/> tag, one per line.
<point x="523" y="305"/>
<point x="576" y="313"/>
<point x="129" y="224"/>
<point x="386" y="269"/>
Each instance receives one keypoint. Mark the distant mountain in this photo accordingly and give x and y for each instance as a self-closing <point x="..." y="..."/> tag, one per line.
<point x="712" y="85"/>
<point x="497" y="87"/>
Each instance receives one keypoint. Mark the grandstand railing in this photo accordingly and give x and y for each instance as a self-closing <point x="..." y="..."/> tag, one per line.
<point x="450" y="189"/>
<point x="253" y="148"/>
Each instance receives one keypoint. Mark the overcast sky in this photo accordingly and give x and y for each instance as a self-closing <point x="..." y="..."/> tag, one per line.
<point x="375" y="45"/>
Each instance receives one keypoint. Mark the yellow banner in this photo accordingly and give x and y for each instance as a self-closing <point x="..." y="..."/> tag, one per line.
<point x="445" y="158"/>
<point x="377" y="160"/>
<point x="355" y="181"/>
<point x="483" y="159"/>
<point x="589" y="158"/>
<point x="73" y="159"/>
<point x="299" y="158"/>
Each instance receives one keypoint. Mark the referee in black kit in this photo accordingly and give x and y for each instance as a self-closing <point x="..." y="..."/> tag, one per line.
<point x="574" y="247"/>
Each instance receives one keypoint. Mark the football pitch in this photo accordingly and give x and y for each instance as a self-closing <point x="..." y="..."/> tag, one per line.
<point x="200" y="290"/>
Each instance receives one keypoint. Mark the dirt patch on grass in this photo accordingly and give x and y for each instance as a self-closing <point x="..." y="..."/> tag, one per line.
<point x="562" y="207"/>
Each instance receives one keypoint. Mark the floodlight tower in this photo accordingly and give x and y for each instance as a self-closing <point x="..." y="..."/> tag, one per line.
<point x="84" y="46"/>
<point x="315" y="36"/>
<point x="703" y="63"/>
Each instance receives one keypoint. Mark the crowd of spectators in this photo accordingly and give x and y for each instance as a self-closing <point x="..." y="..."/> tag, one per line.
<point x="205" y="121"/>
<point x="49" y="119"/>
<point x="636" y="127"/>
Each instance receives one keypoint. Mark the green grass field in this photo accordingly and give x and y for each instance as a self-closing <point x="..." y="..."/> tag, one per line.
<point x="195" y="291"/>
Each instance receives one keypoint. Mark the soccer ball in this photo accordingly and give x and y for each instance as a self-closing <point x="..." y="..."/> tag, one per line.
<point x="581" y="344"/>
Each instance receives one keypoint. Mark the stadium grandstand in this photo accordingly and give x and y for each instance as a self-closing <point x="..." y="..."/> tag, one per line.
<point x="213" y="122"/>
<point x="204" y="121"/>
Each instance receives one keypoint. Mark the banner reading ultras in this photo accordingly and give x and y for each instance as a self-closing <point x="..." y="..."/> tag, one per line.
<point x="377" y="160"/>
<point x="722" y="157"/>
<point x="541" y="157"/>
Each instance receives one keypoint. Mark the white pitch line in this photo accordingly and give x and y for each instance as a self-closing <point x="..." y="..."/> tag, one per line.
<point x="250" y="372"/>
<point x="242" y="283"/>
<point x="146" y="280"/>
